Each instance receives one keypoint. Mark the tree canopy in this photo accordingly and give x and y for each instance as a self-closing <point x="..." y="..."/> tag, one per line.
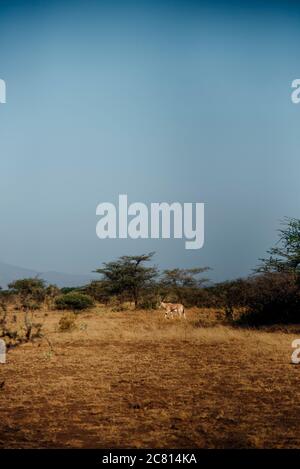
<point x="285" y="256"/>
<point x="128" y="276"/>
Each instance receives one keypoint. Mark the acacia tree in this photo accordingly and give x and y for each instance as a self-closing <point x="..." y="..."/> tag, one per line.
<point x="285" y="256"/>
<point x="231" y="294"/>
<point x="182" y="283"/>
<point x="97" y="289"/>
<point x="128" y="276"/>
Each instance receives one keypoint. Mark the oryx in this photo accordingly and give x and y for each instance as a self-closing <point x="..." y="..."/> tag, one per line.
<point x="172" y="309"/>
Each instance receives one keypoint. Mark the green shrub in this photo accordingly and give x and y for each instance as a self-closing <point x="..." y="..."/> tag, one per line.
<point x="272" y="298"/>
<point x="74" y="301"/>
<point x="149" y="301"/>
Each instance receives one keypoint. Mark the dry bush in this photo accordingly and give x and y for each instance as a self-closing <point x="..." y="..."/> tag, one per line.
<point x="117" y="304"/>
<point x="67" y="322"/>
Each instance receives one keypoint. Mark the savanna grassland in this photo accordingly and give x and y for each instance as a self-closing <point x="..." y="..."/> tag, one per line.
<point x="135" y="379"/>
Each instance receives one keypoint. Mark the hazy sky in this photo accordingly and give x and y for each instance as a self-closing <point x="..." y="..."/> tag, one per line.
<point x="161" y="101"/>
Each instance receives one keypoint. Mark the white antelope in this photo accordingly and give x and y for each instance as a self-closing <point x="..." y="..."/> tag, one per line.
<point x="172" y="309"/>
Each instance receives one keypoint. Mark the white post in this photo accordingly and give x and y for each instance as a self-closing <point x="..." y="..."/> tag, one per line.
<point x="2" y="351"/>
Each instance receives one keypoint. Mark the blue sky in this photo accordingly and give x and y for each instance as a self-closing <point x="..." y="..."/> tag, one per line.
<point x="161" y="101"/>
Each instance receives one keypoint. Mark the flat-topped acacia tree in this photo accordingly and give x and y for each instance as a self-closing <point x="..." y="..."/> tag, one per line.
<point x="128" y="276"/>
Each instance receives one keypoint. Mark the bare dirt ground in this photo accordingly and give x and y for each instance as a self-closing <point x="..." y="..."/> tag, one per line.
<point x="134" y="379"/>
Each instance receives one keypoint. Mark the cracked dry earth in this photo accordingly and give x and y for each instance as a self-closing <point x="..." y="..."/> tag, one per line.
<point x="133" y="379"/>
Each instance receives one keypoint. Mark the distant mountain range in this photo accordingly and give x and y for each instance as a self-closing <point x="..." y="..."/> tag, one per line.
<point x="9" y="273"/>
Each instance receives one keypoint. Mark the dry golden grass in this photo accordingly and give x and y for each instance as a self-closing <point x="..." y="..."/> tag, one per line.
<point x="134" y="379"/>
